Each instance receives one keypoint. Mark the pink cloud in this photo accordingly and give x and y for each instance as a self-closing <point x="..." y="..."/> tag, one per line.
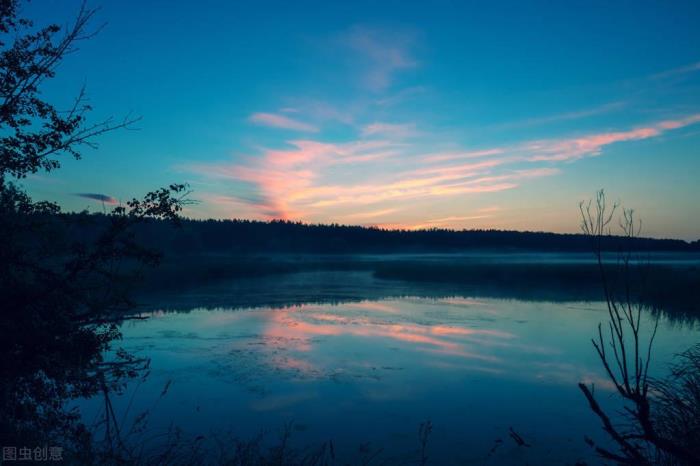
<point x="456" y="171"/>
<point x="413" y="188"/>
<point x="300" y="329"/>
<point x="674" y="124"/>
<point x="280" y="121"/>
<point x="322" y="181"/>
<point x="294" y="184"/>
<point x="592" y="144"/>
<point x="284" y="176"/>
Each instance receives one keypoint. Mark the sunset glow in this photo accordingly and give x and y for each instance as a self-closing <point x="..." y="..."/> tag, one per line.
<point x="415" y="117"/>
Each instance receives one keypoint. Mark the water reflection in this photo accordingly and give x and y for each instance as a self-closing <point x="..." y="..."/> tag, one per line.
<point x="473" y="366"/>
<point x="458" y="334"/>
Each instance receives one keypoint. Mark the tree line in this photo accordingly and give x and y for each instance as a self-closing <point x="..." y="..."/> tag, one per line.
<point x="279" y="236"/>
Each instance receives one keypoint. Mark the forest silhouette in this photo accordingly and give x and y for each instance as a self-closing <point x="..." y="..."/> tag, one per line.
<point x="281" y="236"/>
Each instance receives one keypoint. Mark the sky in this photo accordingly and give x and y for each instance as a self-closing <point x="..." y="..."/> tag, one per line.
<point x="393" y="114"/>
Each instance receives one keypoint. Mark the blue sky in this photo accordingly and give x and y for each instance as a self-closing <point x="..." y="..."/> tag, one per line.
<point x="398" y="114"/>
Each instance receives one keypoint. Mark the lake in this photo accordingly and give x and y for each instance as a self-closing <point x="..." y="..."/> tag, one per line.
<point x="362" y="362"/>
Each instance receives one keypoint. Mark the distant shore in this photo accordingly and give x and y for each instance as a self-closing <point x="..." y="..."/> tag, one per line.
<point x="548" y="277"/>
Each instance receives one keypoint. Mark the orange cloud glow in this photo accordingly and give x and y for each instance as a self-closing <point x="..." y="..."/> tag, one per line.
<point x="367" y="179"/>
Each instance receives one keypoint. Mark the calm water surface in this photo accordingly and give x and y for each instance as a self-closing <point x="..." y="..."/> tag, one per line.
<point x="371" y="370"/>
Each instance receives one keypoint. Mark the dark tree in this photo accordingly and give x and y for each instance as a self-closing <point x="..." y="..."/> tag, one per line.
<point x="62" y="299"/>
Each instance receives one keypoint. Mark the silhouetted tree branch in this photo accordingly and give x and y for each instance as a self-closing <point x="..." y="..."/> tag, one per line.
<point x="33" y="131"/>
<point x="621" y="351"/>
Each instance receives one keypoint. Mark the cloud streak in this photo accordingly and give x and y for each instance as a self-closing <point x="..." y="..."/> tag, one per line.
<point x="567" y="116"/>
<point x="592" y="144"/>
<point x="680" y="71"/>
<point x="281" y="121"/>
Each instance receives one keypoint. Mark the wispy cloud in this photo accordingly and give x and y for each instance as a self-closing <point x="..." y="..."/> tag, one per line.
<point x="319" y="110"/>
<point x="98" y="197"/>
<point x="281" y="121"/>
<point x="401" y="96"/>
<point x="680" y="71"/>
<point x="383" y="52"/>
<point x="592" y="144"/>
<point x="391" y="130"/>
<point x="566" y="116"/>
